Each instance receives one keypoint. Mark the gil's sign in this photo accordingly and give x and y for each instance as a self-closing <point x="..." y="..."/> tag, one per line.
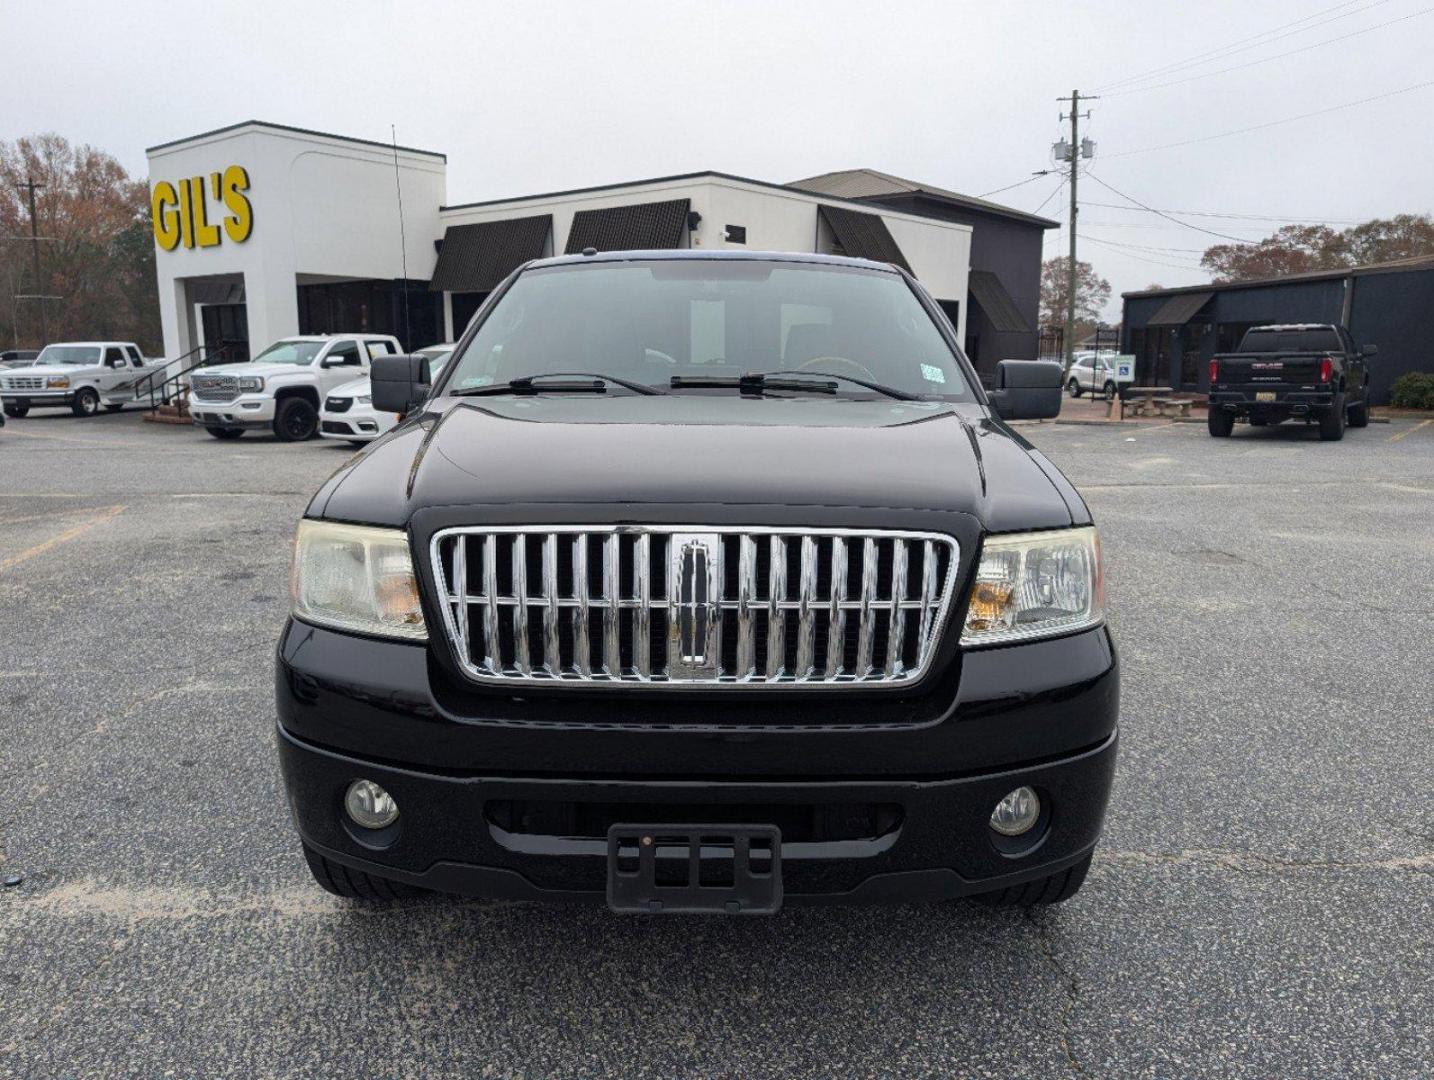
<point x="180" y="211"/>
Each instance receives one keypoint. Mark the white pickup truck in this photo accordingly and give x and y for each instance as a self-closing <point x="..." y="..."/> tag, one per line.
<point x="284" y="386"/>
<point x="80" y="375"/>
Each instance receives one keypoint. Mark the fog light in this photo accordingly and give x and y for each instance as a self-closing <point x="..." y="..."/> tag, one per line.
<point x="1017" y="813"/>
<point x="369" y="805"/>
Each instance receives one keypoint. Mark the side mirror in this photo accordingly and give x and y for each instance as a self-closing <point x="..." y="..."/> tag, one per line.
<point x="399" y="384"/>
<point x="1370" y="350"/>
<point x="1027" y="390"/>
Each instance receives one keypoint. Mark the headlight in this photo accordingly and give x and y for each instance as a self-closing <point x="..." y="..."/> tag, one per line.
<point x="250" y="382"/>
<point x="366" y="399"/>
<point x="57" y="382"/>
<point x="352" y="577"/>
<point x="1033" y="585"/>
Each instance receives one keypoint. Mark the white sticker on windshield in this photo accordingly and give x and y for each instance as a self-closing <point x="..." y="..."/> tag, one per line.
<point x="932" y="373"/>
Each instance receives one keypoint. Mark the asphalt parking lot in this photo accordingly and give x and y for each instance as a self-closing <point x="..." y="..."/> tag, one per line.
<point x="1262" y="904"/>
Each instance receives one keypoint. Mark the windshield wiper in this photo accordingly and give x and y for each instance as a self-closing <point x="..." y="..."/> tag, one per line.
<point x="754" y="382"/>
<point x="880" y="388"/>
<point x="579" y="382"/>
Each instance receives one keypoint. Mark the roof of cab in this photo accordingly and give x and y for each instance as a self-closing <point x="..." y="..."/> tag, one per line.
<point x="729" y="256"/>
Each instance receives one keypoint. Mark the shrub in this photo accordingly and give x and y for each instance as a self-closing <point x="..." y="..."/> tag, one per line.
<point x="1414" y="390"/>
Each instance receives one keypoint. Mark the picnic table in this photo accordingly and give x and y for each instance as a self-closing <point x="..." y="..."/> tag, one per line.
<point x="1144" y="398"/>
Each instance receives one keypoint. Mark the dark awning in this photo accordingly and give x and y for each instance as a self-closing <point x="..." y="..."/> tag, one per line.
<point x="1180" y="309"/>
<point x="863" y="236"/>
<point x="475" y="258"/>
<point x="636" y="227"/>
<point x="996" y="302"/>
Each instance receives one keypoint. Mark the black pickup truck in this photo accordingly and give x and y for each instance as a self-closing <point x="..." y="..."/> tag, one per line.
<point x="699" y="581"/>
<point x="1309" y="371"/>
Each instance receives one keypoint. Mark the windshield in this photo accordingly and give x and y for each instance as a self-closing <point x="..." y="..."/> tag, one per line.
<point x="649" y="321"/>
<point x="290" y="352"/>
<point x="438" y="357"/>
<point x="1320" y="339"/>
<point x="69" y="354"/>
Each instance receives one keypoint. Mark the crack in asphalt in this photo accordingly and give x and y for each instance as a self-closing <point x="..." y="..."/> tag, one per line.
<point x="1070" y="985"/>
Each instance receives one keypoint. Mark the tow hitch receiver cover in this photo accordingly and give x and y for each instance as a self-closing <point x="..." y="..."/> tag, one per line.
<point x="690" y="869"/>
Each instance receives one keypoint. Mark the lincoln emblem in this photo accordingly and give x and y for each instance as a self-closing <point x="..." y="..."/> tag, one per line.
<point x="695" y="613"/>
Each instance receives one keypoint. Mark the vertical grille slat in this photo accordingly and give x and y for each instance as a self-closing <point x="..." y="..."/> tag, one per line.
<point x="897" y="621"/>
<point x="748" y="607"/>
<point x="776" y="618"/>
<point x="806" y="612"/>
<point x="866" y="634"/>
<point x="582" y="633"/>
<point x="520" y="606"/>
<point x="836" y="616"/>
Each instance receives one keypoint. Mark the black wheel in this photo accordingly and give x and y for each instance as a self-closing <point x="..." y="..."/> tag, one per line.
<point x="1073" y="388"/>
<point x="1359" y="415"/>
<point x="1221" y="422"/>
<point x="17" y="409"/>
<point x="86" y="402"/>
<point x="1046" y="890"/>
<point x="114" y="408"/>
<point x="1331" y="424"/>
<point x="1109" y="391"/>
<point x="355" y="884"/>
<point x="226" y="433"/>
<point x="296" y="420"/>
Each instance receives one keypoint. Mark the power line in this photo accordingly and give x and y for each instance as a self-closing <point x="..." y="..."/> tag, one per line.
<point x="1287" y="218"/>
<point x="1051" y="196"/>
<point x="1267" y="59"/>
<point x="1146" y="259"/>
<point x="1272" y="123"/>
<point x="1019" y="183"/>
<point x="1163" y="214"/>
<point x="1220" y="52"/>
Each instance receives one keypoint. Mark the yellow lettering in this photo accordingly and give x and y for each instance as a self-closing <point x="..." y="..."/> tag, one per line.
<point x="239" y="222"/>
<point x="205" y="234"/>
<point x="186" y="214"/>
<point x="162" y="202"/>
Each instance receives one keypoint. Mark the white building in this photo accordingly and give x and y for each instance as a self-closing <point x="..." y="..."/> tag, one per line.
<point x="266" y="231"/>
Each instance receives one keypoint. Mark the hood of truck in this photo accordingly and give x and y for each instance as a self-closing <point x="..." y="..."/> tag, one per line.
<point x="623" y="452"/>
<point x="31" y="371"/>
<point x="268" y="371"/>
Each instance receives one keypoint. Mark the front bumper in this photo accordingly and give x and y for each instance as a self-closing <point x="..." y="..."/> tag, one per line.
<point x="245" y="411"/>
<point x="359" y="423"/>
<point x="39" y="399"/>
<point x="492" y="805"/>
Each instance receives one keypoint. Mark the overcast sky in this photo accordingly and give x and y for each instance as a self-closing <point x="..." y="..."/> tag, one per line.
<point x="530" y="97"/>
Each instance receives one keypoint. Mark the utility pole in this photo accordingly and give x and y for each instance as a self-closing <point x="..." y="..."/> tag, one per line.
<point x="35" y="255"/>
<point x="1073" y="153"/>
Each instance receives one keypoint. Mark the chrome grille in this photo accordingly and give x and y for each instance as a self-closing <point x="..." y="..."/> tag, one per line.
<point x="663" y="605"/>
<point x="214" y="387"/>
<point x="23" y="382"/>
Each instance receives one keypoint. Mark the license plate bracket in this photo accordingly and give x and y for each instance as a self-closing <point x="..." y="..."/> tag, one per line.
<point x="688" y="869"/>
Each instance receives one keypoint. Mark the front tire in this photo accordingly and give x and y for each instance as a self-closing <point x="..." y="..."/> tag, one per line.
<point x="1073" y="388"/>
<point x="17" y="409"/>
<point x="1110" y="391"/>
<point x="1047" y="890"/>
<point x="1220" y="422"/>
<point x="296" y="420"/>
<point x="86" y="402"/>
<point x="1331" y="424"/>
<point x="355" y="884"/>
<point x="1359" y="415"/>
<point x="225" y="434"/>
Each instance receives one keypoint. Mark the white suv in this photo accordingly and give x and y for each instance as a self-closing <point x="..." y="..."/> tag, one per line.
<point x="348" y="412"/>
<point x="284" y="386"/>
<point x="1095" y="373"/>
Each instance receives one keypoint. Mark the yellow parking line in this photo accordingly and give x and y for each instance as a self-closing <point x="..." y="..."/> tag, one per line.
<point x="63" y="538"/>
<point x="1411" y="431"/>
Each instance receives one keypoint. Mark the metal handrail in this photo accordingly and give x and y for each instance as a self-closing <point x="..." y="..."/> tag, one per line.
<point x="159" y="394"/>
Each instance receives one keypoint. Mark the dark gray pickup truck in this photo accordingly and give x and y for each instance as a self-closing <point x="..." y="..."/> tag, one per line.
<point x="1308" y="371"/>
